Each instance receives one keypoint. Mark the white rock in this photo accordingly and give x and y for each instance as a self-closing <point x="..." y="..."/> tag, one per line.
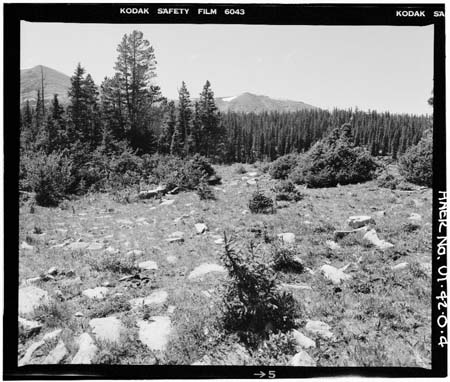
<point x="201" y="228"/>
<point x="334" y="274"/>
<point x="415" y="217"/>
<point x="205" y="268"/>
<point x="124" y="221"/>
<point x="380" y="213"/>
<point x="251" y="182"/>
<point x="400" y="267"/>
<point x="320" y="328"/>
<point x="253" y="173"/>
<point x="86" y="351"/>
<point x="95" y="247"/>
<point x="98" y="293"/>
<point x="26" y="246"/>
<point x="31" y="281"/>
<point x="31" y="298"/>
<point x="148" y="265"/>
<point x="287" y="237"/>
<point x="141" y="219"/>
<point x="332" y="245"/>
<point x="219" y="241"/>
<point x="111" y="250"/>
<point x="171" y="259"/>
<point x="57" y="354"/>
<point x="167" y="202"/>
<point x="360" y="221"/>
<point x="176" y="237"/>
<point x="302" y="359"/>
<point x="52" y="271"/>
<point x="135" y="252"/>
<point x="372" y="237"/>
<point x="426" y="267"/>
<point x="158" y="297"/>
<point x="107" y="328"/>
<point x="296" y="286"/>
<point x="155" y="333"/>
<point x="302" y="341"/>
<point x="79" y="314"/>
<point x="52" y="335"/>
<point x="29" y="353"/>
<point x="28" y="327"/>
<point x="171" y="309"/>
<point x="76" y="246"/>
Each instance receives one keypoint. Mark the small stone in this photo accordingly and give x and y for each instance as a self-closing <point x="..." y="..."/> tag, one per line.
<point x="302" y="359"/>
<point x="155" y="333"/>
<point x="415" y="217"/>
<point x="296" y="286"/>
<point x="372" y="237"/>
<point x="76" y="246"/>
<point x="201" y="228"/>
<point x="167" y="202"/>
<point x="176" y="237"/>
<point x="288" y="237"/>
<point x="171" y="309"/>
<point x="156" y="298"/>
<point x="135" y="253"/>
<point x="53" y="271"/>
<point x="251" y="182"/>
<point x="253" y="173"/>
<point x="359" y="221"/>
<point x="342" y="233"/>
<point x="334" y="274"/>
<point x="205" y="268"/>
<point x="31" y="298"/>
<point x="95" y="247"/>
<point x="52" y="335"/>
<point x="28" y="327"/>
<point x="219" y="241"/>
<point x="111" y="250"/>
<point x="86" y="351"/>
<point x="148" y="265"/>
<point x="31" y="281"/>
<point x="332" y="245"/>
<point x="79" y="314"/>
<point x="124" y="221"/>
<point x="57" y="354"/>
<point x="26" y="246"/>
<point x="107" y="284"/>
<point x="29" y="353"/>
<point x="320" y="328"/>
<point x="400" y="267"/>
<point x="98" y="293"/>
<point x="206" y="294"/>
<point x="171" y="259"/>
<point x="302" y="341"/>
<point x="426" y="267"/>
<point x="107" y="328"/>
<point x="380" y="213"/>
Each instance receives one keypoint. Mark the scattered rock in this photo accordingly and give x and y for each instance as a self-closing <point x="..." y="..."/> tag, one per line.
<point x="287" y="237"/>
<point x="400" y="267"/>
<point x="31" y="298"/>
<point x="26" y="246"/>
<point x="156" y="298"/>
<point x="426" y="267"/>
<point x="124" y="221"/>
<point x="214" y="180"/>
<point x="95" y="247"/>
<point x="342" y="233"/>
<point x="253" y="173"/>
<point x="107" y="328"/>
<point x="28" y="328"/>
<point x="205" y="268"/>
<point x="302" y="359"/>
<point x="53" y="271"/>
<point x="159" y="191"/>
<point x="176" y="237"/>
<point x="251" y="182"/>
<point x="79" y="314"/>
<point x="334" y="274"/>
<point x="148" y="265"/>
<point x="372" y="237"/>
<point x="76" y="246"/>
<point x="107" y="284"/>
<point x="201" y="228"/>
<point x="29" y="353"/>
<point x="171" y="309"/>
<point x="332" y="245"/>
<point x="57" y="354"/>
<point x="296" y="286"/>
<point x="155" y="332"/>
<point x="98" y="293"/>
<point x="229" y="356"/>
<point x="171" y="259"/>
<point x="86" y="351"/>
<point x="319" y="328"/>
<point x="302" y="341"/>
<point x="31" y="281"/>
<point x="359" y="221"/>
<point x="380" y="213"/>
<point x="52" y="335"/>
<point x="167" y="202"/>
<point x="415" y="217"/>
<point x="135" y="253"/>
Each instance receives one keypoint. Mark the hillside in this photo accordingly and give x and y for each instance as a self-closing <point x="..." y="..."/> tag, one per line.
<point x="252" y="103"/>
<point x="54" y="83"/>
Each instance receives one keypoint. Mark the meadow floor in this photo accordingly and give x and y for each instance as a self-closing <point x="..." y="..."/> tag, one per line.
<point x="379" y="317"/>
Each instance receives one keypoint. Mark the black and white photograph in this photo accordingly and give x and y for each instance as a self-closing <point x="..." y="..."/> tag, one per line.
<point x="227" y="194"/>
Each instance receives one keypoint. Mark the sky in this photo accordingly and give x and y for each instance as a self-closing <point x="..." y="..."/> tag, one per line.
<point x="383" y="68"/>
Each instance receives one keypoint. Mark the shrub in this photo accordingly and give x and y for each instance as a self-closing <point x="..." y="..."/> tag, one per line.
<point x="276" y="350"/>
<point x="259" y="203"/>
<point x="282" y="167"/>
<point x="205" y="192"/>
<point x="253" y="305"/>
<point x="285" y="190"/>
<point x="416" y="165"/>
<point x="387" y="180"/>
<point x="285" y="259"/>
<point x="114" y="263"/>
<point x="240" y="169"/>
<point x="333" y="160"/>
<point x="49" y="176"/>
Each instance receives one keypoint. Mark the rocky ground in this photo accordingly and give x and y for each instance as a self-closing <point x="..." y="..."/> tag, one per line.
<point x="106" y="281"/>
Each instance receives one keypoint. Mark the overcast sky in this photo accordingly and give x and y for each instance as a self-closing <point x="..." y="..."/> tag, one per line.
<point x="371" y="67"/>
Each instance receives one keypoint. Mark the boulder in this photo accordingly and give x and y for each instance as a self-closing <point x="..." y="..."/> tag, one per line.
<point x="201" y="228"/>
<point x="86" y="350"/>
<point x="30" y="298"/>
<point x="107" y="328"/>
<point x="158" y="297"/>
<point x="302" y="341"/>
<point x="157" y="192"/>
<point x="302" y="358"/>
<point x="28" y="328"/>
<point x="57" y="354"/>
<point x="372" y="237"/>
<point x="26" y="359"/>
<point x="319" y="328"/>
<point x="148" y="265"/>
<point x="53" y="271"/>
<point x="98" y="293"/>
<point x="287" y="237"/>
<point x="334" y="274"/>
<point x="204" y="269"/>
<point x="359" y="221"/>
<point x="167" y="202"/>
<point x="400" y="267"/>
<point x="155" y="332"/>
<point x="52" y="335"/>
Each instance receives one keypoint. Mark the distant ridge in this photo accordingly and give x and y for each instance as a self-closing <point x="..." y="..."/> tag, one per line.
<point x="54" y="83"/>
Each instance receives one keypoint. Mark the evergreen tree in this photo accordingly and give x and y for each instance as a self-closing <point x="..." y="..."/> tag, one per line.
<point x="168" y="128"/>
<point x="184" y="121"/>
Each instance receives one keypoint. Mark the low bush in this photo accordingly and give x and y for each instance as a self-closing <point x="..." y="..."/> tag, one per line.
<point x="386" y="180"/>
<point x="253" y="304"/>
<point x="205" y="192"/>
<point x="283" y="166"/>
<point x="285" y="259"/>
<point x="285" y="190"/>
<point x="240" y="169"/>
<point x="259" y="203"/>
<point x="416" y="165"/>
